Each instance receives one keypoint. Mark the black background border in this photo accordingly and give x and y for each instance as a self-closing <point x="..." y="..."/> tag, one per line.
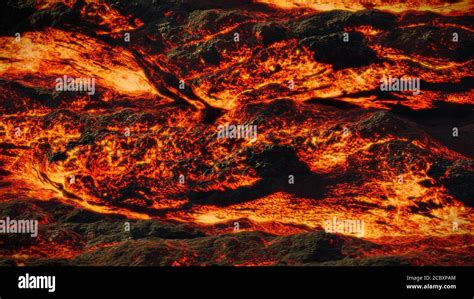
<point x="237" y="282"/>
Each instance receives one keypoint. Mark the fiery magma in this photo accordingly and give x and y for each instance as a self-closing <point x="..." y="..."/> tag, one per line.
<point x="329" y="143"/>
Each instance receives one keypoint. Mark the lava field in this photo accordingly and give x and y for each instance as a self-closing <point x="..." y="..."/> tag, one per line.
<point x="123" y="132"/>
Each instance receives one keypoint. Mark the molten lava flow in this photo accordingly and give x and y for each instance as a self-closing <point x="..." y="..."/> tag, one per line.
<point x="393" y="5"/>
<point x="330" y="143"/>
<point x="53" y="53"/>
